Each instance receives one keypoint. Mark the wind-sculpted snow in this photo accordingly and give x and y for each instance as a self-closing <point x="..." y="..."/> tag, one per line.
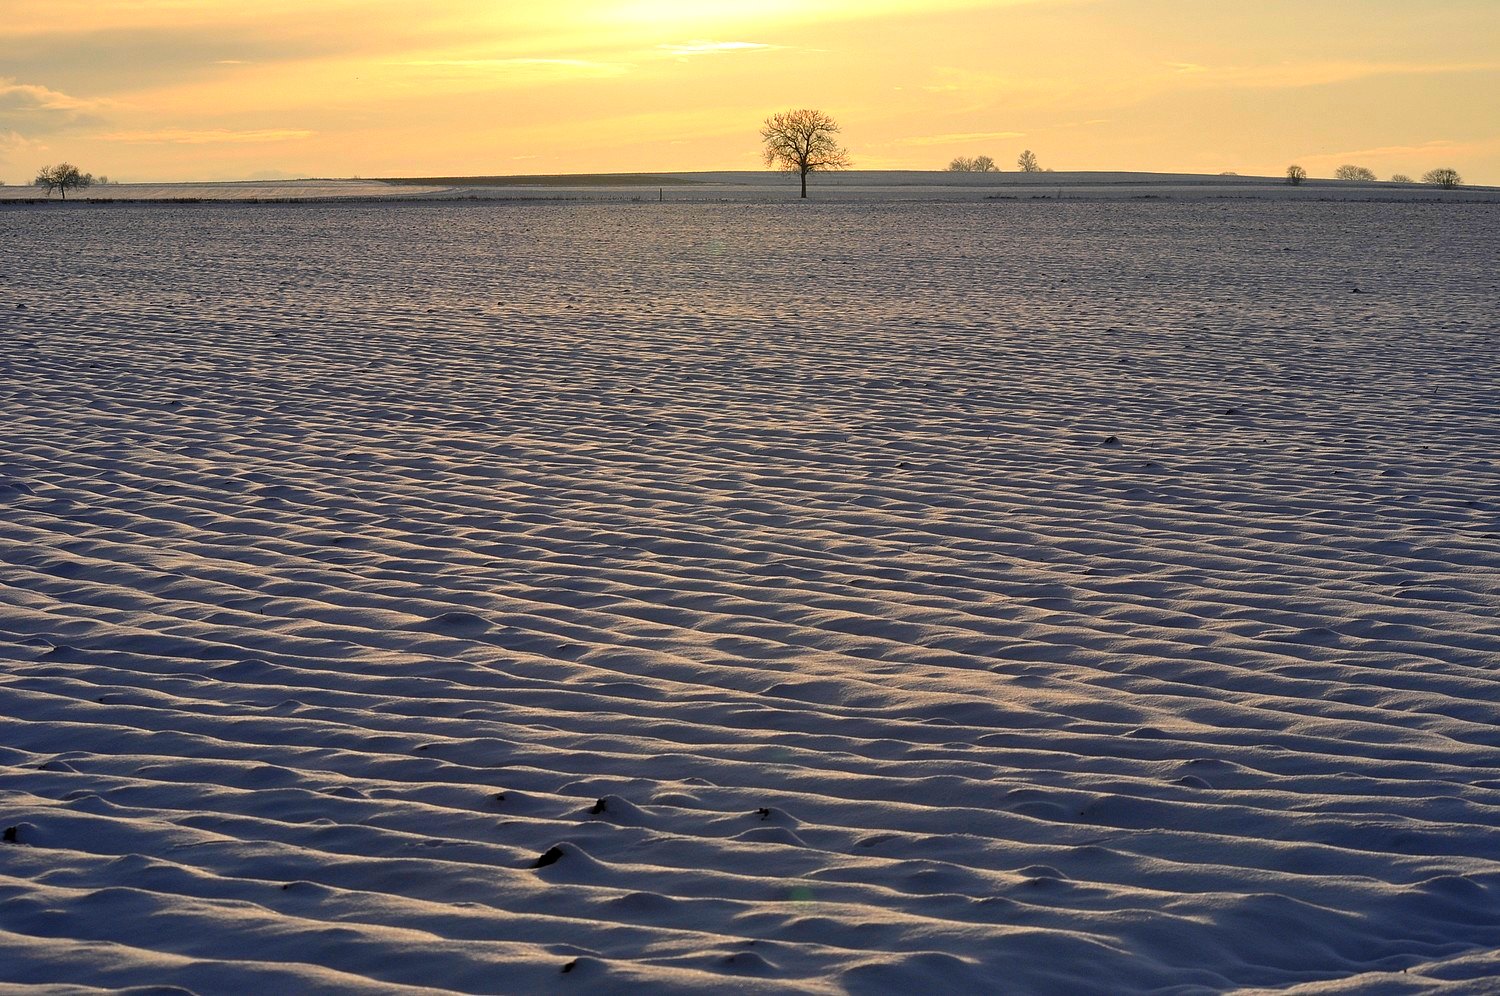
<point x="878" y="598"/>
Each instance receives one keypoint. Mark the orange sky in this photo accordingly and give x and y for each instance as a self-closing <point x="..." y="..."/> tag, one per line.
<point x="230" y="89"/>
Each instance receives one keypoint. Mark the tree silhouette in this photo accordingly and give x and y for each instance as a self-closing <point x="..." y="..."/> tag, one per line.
<point x="978" y="164"/>
<point x="1295" y="175"/>
<point x="1354" y="173"/>
<point x="801" y="142"/>
<point x="1400" y="178"/>
<point x="62" y="177"/>
<point x="1027" y="162"/>
<point x="1446" y="178"/>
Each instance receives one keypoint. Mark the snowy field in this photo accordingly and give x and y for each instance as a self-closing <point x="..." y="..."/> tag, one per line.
<point x="250" y="190"/>
<point x="1020" y="597"/>
<point x="879" y="186"/>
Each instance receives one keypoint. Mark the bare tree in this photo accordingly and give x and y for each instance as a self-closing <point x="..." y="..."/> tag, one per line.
<point x="1446" y="178"/>
<point x="1354" y="173"/>
<point x="1400" y="178"/>
<point x="62" y="177"/>
<point x="801" y="142"/>
<point x="1027" y="162"/>
<point x="1295" y="175"/>
<point x="978" y="164"/>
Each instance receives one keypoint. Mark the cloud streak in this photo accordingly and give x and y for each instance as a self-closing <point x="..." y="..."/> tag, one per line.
<point x="210" y="136"/>
<point x="522" y="69"/>
<point x="30" y="107"/>
<point x="959" y="137"/>
<point x="701" y="47"/>
<point x="1290" y="75"/>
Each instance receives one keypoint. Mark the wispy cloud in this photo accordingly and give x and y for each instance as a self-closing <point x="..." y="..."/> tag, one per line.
<point x="1300" y="74"/>
<point x="1440" y="145"/>
<point x="957" y="137"/>
<point x="521" y="69"/>
<point x="33" y="108"/>
<point x="973" y="82"/>
<point x="14" y="145"/>
<point x="504" y="63"/>
<point x="211" y="136"/>
<point x="1413" y="157"/>
<point x="16" y="94"/>
<point x="703" y="47"/>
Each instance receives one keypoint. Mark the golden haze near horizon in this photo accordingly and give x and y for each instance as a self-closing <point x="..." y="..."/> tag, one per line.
<point x="220" y="89"/>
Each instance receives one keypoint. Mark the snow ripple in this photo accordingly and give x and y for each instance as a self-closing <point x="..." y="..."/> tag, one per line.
<point x="1074" y="598"/>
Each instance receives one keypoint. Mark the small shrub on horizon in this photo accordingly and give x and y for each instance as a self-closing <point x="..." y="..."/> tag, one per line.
<point x="976" y="164"/>
<point x="63" y="176"/>
<point x="1295" y="175"/>
<point x="1445" y="177"/>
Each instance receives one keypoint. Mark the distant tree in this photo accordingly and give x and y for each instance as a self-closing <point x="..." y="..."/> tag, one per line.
<point x="801" y="142"/>
<point x="1229" y="172"/>
<point x="1027" y="162"/>
<point x="1295" y="175"/>
<point x="1445" y="178"/>
<point x="1400" y="178"/>
<point x="978" y="164"/>
<point x="63" y="176"/>
<point x="1354" y="173"/>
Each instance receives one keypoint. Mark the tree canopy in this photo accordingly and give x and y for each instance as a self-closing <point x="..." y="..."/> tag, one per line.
<point x="976" y="164"/>
<point x="1446" y="177"/>
<point x="801" y="142"/>
<point x="63" y="177"/>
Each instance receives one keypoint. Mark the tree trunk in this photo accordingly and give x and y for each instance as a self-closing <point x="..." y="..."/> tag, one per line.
<point x="804" y="183"/>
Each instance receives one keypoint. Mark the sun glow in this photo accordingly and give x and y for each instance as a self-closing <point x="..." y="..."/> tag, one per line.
<point x="674" y="14"/>
<point x="212" y="89"/>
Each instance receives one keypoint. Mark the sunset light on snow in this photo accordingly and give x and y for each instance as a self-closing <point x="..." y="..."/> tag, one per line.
<point x="863" y="497"/>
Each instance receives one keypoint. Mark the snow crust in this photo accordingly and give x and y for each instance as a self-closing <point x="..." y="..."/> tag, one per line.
<point x="1007" y="597"/>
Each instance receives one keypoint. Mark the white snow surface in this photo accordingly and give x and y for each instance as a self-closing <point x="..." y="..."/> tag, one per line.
<point x="882" y="186"/>
<point x="248" y="190"/>
<point x="997" y="597"/>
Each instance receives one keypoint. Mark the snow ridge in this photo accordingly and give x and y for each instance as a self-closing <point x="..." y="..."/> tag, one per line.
<point x="492" y="598"/>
